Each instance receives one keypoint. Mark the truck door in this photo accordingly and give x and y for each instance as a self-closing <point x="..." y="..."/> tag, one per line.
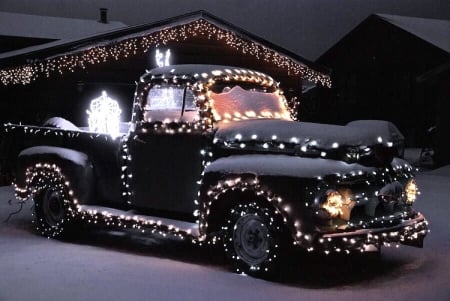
<point x="166" y="157"/>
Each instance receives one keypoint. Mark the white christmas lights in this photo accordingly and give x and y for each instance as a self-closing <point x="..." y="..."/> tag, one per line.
<point x="43" y="175"/>
<point x="80" y="60"/>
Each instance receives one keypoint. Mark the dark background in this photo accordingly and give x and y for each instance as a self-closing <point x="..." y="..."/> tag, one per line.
<point x="306" y="27"/>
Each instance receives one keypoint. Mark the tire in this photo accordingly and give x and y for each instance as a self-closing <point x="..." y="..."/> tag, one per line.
<point x="255" y="240"/>
<point x="52" y="212"/>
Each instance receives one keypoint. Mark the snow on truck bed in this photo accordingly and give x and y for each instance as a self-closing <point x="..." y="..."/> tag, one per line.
<point x="64" y="124"/>
<point x="74" y="156"/>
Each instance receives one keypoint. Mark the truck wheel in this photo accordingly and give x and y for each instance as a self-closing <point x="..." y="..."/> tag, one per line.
<point x="52" y="212"/>
<point x="254" y="240"/>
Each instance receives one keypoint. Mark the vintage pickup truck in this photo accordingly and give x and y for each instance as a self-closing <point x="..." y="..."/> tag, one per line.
<point x="214" y="154"/>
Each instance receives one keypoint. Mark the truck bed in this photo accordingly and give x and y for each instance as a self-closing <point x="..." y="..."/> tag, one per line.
<point x="103" y="152"/>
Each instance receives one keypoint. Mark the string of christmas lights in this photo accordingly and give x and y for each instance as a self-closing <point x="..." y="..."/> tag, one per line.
<point x="310" y="241"/>
<point x="201" y="89"/>
<point x="44" y="175"/>
<point x="39" y="178"/>
<point x="80" y="60"/>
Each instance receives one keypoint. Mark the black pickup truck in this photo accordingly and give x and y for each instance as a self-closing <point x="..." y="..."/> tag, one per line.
<point x="215" y="154"/>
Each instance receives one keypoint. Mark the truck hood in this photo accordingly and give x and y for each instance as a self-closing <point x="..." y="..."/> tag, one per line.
<point x="308" y="139"/>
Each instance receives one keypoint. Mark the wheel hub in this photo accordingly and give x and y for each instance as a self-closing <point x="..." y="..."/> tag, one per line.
<point x="53" y="208"/>
<point x="251" y="239"/>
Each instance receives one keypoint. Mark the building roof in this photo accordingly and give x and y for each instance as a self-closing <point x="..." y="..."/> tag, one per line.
<point x="80" y="52"/>
<point x="384" y="39"/>
<point x="434" y="31"/>
<point x="52" y="28"/>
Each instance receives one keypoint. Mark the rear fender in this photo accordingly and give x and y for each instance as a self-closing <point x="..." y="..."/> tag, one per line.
<point x="75" y="166"/>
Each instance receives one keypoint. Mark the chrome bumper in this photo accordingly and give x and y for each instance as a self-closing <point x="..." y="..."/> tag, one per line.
<point x="409" y="232"/>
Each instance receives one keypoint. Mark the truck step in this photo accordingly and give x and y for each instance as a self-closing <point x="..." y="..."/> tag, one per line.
<point x="130" y="220"/>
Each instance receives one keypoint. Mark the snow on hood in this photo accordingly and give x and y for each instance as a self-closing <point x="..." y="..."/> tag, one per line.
<point x="281" y="165"/>
<point x="323" y="136"/>
<point x="379" y="126"/>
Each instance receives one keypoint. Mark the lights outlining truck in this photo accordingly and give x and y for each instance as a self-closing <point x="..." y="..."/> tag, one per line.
<point x="209" y="166"/>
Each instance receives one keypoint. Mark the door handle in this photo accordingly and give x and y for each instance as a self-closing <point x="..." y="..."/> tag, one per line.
<point x="136" y="138"/>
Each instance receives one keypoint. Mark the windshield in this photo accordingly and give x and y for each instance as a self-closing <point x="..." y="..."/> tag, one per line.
<point x="169" y="97"/>
<point x="237" y="103"/>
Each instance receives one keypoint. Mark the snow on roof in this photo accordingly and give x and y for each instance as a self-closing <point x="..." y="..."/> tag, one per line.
<point x="78" y="44"/>
<point x="34" y="26"/>
<point x="434" y="31"/>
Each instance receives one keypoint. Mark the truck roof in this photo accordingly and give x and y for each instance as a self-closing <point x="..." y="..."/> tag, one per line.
<point x="203" y="73"/>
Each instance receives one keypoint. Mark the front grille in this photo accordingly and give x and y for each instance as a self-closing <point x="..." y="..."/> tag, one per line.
<point x="373" y="213"/>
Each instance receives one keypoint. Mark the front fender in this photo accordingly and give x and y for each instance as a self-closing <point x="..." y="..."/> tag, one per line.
<point x="288" y="183"/>
<point x="221" y="193"/>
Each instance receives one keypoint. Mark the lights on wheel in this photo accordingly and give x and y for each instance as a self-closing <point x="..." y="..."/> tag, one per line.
<point x="411" y="192"/>
<point x="338" y="204"/>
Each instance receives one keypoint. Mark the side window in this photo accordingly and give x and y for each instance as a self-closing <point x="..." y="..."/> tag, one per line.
<point x="165" y="103"/>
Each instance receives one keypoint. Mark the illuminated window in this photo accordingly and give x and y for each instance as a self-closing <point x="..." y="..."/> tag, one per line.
<point x="170" y="103"/>
<point x="169" y="97"/>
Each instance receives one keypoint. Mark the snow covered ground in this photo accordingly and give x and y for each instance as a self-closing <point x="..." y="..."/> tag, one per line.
<point x="115" y="266"/>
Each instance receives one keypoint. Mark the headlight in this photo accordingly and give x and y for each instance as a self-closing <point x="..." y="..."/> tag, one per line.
<point x="338" y="204"/>
<point x="411" y="191"/>
<point x="354" y="154"/>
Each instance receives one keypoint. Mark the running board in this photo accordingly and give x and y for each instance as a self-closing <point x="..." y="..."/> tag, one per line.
<point x="128" y="219"/>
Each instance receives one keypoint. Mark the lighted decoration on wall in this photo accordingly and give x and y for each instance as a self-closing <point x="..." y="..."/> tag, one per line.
<point x="104" y="115"/>
<point x="162" y="59"/>
<point x="141" y="43"/>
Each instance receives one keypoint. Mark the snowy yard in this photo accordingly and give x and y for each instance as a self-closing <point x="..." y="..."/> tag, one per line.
<point x="115" y="266"/>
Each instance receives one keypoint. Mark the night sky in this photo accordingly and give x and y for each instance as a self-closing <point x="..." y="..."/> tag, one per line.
<point x="306" y="27"/>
